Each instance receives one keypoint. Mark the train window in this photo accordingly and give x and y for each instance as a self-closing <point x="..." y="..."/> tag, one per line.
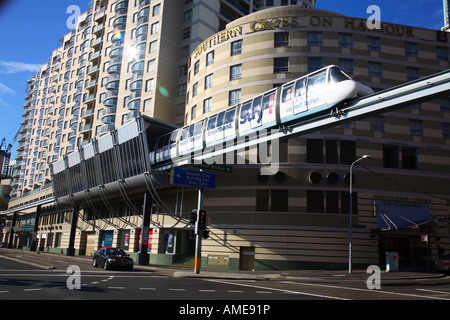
<point x="287" y="93"/>
<point x="269" y="100"/>
<point x="198" y="127"/>
<point x="337" y="75"/>
<point x="300" y="87"/>
<point x="245" y="111"/>
<point x="212" y="122"/>
<point x="256" y="110"/>
<point x="220" y="118"/>
<point x="229" y="116"/>
<point x="316" y="81"/>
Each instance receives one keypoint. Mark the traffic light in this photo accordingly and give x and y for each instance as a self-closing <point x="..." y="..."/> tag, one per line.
<point x="193" y="217"/>
<point x="205" y="234"/>
<point x="202" y="220"/>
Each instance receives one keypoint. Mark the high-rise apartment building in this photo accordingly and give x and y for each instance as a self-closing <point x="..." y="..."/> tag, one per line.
<point x="124" y="58"/>
<point x="446" y="15"/>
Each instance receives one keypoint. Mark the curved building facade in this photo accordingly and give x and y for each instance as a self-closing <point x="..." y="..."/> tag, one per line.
<point x="299" y="217"/>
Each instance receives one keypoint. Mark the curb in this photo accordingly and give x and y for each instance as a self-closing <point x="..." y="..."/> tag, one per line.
<point x="230" y="276"/>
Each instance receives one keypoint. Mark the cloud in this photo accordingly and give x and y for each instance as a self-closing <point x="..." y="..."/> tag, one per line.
<point x="10" y="67"/>
<point x="6" y="90"/>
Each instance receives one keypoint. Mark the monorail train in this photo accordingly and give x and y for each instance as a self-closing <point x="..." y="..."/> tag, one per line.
<point x="309" y="95"/>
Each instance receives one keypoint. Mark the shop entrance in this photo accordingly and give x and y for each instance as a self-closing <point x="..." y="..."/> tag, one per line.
<point x="247" y="258"/>
<point x="91" y="244"/>
<point x="412" y="252"/>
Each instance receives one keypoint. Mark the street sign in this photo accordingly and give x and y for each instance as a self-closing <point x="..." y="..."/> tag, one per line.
<point x="212" y="167"/>
<point x="193" y="178"/>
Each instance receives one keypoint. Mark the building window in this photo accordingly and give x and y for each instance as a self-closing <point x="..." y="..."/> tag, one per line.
<point x="155" y="28"/>
<point x="208" y="81"/>
<point x="374" y="44"/>
<point x="409" y="158"/>
<point x="234" y="97"/>
<point x="156" y="9"/>
<point x="445" y="105"/>
<point x="207" y="105"/>
<point x="392" y="155"/>
<point x="182" y="90"/>
<point x="236" y="72"/>
<point x="210" y="58"/>
<point x="193" y="112"/>
<point x="236" y="47"/>
<point x="186" y="33"/>
<point x="345" y="40"/>
<point x="446" y="130"/>
<point x="346" y="64"/>
<point x="183" y="70"/>
<point x="262" y="200"/>
<point x="315" y="38"/>
<point x="377" y="124"/>
<point x="187" y="16"/>
<point x="314" y="151"/>
<point x="412" y="74"/>
<point x="416" y="127"/>
<point x="149" y="85"/>
<point x="194" y="89"/>
<point x="153" y="46"/>
<point x="197" y="67"/>
<point x="314" y="201"/>
<point x="442" y="53"/>
<point x="315" y="64"/>
<point x="280" y="65"/>
<point x="281" y="39"/>
<point x="411" y="49"/>
<point x="280" y="199"/>
<point x="348" y="151"/>
<point x="375" y="69"/>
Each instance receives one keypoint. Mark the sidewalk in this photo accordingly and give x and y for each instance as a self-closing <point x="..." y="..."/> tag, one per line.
<point x="48" y="261"/>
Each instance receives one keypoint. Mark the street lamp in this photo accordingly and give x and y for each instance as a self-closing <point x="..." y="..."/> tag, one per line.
<point x="351" y="209"/>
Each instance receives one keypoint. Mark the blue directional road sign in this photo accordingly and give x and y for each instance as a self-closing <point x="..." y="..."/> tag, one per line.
<point x="193" y="178"/>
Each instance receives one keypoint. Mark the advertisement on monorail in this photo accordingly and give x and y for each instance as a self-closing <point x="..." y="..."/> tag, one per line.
<point x="221" y="127"/>
<point x="258" y="113"/>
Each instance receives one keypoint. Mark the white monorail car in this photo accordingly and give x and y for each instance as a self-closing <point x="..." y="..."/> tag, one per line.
<point x="314" y="93"/>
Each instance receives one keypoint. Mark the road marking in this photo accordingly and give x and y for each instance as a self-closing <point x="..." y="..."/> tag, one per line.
<point x="205" y="290"/>
<point x="263" y="292"/>
<point x="32" y="289"/>
<point x="434" y="291"/>
<point x="4" y="291"/>
<point x="177" y="289"/>
<point x="235" y="291"/>
<point x="147" y="288"/>
<point x="365" y="290"/>
<point x="281" y="290"/>
<point x="119" y="288"/>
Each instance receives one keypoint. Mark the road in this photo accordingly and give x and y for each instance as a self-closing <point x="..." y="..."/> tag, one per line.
<point x="20" y="281"/>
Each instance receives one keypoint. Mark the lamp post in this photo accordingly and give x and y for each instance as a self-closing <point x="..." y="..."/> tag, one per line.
<point x="351" y="209"/>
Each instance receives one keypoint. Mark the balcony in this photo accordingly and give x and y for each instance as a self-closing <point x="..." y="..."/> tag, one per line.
<point x="92" y="70"/>
<point x="85" y="128"/>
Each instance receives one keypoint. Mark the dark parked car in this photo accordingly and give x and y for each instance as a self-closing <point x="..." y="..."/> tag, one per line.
<point x="112" y="257"/>
<point x="443" y="263"/>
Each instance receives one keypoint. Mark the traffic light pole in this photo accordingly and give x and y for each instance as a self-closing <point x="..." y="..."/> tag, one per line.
<point x="198" y="235"/>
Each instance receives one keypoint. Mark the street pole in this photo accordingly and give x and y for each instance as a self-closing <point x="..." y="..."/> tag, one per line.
<point x="198" y="233"/>
<point x="351" y="212"/>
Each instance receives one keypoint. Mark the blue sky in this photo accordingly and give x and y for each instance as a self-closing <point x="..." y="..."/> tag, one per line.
<point x="38" y="24"/>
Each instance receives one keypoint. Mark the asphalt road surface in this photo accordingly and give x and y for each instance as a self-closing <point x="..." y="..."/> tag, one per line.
<point x="76" y="279"/>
